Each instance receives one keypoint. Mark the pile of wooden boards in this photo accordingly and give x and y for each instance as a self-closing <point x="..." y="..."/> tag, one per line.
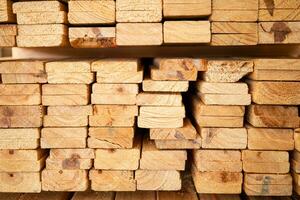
<point x="41" y="24"/>
<point x="218" y="108"/>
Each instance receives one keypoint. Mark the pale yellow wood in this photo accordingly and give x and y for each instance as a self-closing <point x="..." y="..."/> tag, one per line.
<point x="111" y="121"/>
<point x="278" y="33"/>
<point x="108" y="132"/>
<point x="22" y="67"/>
<point x="69" y="78"/>
<point x="273" y="190"/>
<point x="113" y="99"/>
<point x="34" y="99"/>
<point x="239" y="39"/>
<point x="186" y="8"/>
<point x="159" y="99"/>
<point x="109" y="180"/>
<point x="92" y="37"/>
<point x="265" y="156"/>
<point x="279" y="15"/>
<point x="155" y="159"/>
<point x="21" y="111"/>
<point x="221" y="88"/>
<point x="160" y="122"/>
<point x="219" y="122"/>
<point x="226" y="70"/>
<point x="25" y="155"/>
<point x="162" y="111"/>
<point x="69" y="100"/>
<point x="69" y="153"/>
<point x="171" y="75"/>
<point x="224" y="138"/>
<point x="270" y="139"/>
<point x="139" y="34"/>
<point x="273" y="116"/>
<point x="21" y="133"/>
<point x="119" y="88"/>
<point x="19" y="89"/>
<point x="165" y="86"/>
<point x="274" y="75"/>
<point x="24" y="78"/>
<point x="93" y="195"/>
<point x="187" y="132"/>
<point x="179" y="64"/>
<point x="6" y="12"/>
<point x="69" y="110"/>
<point x="218" y="160"/>
<point x="235" y="5"/>
<point x="178" y="144"/>
<point x="63" y="142"/>
<point x="66" y="66"/>
<point x="64" y="132"/>
<point x="68" y="163"/>
<point x="64" y="180"/>
<point x="42" y="17"/>
<point x="120" y="77"/>
<point x="16" y="143"/>
<point x="109" y="65"/>
<point x="270" y="179"/>
<point x="147" y="195"/>
<point x="8" y="30"/>
<point x="22" y="165"/>
<point x="234" y="15"/>
<point x="158" y="180"/>
<point x="233" y="28"/>
<point x="42" y="29"/>
<point x="42" y="41"/>
<point x="186" y="32"/>
<point x="277" y="63"/>
<point x="118" y="159"/>
<point x="8" y="41"/>
<point x="275" y="93"/>
<point x="297" y="139"/>
<point x="38" y="6"/>
<point x="139" y="11"/>
<point x="65" y="121"/>
<point x="20" y="182"/>
<point x="225" y="99"/>
<point x="217" y="182"/>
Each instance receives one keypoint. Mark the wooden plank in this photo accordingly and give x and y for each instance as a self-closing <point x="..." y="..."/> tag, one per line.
<point x="25" y="155"/>
<point x="22" y="67"/>
<point x="19" y="89"/>
<point x="160" y="122"/>
<point x="139" y="34"/>
<point x="68" y="66"/>
<point x="187" y="132"/>
<point x="265" y="156"/>
<point x="159" y="99"/>
<point x="46" y="195"/>
<point x="273" y="116"/>
<point x="225" y="70"/>
<point x="217" y="160"/>
<point x="171" y="75"/>
<point x="279" y="15"/>
<point x="235" y="5"/>
<point x="276" y="64"/>
<point x="42" y="29"/>
<point x="34" y="99"/>
<point x="42" y="41"/>
<point x="219" y="122"/>
<point x="112" y="180"/>
<point x="233" y="28"/>
<point x="69" y="153"/>
<point x="279" y="4"/>
<point x="118" y="159"/>
<point x="239" y="39"/>
<point x="297" y="139"/>
<point x="91" y="12"/>
<point x="64" y="180"/>
<point x="270" y="139"/>
<point x="165" y="86"/>
<point x="217" y="182"/>
<point x="8" y="30"/>
<point x="64" y="132"/>
<point x="186" y="32"/>
<point x="221" y="88"/>
<point x="21" y="111"/>
<point x="155" y="159"/>
<point x="8" y="41"/>
<point x="93" y="195"/>
<point x="179" y="64"/>
<point x="42" y="17"/>
<point x="225" y="99"/>
<point x="234" y="15"/>
<point x="278" y="33"/>
<point x="69" y="110"/>
<point x="24" y="78"/>
<point x="278" y="93"/>
<point x="119" y="88"/>
<point x="219" y="196"/>
<point x="275" y="75"/>
<point x="65" y="121"/>
<point x="186" y="9"/>
<point x="113" y="99"/>
<point x="178" y="144"/>
<point x="147" y="195"/>
<point x="158" y="180"/>
<point x="139" y="11"/>
<point x="22" y="165"/>
<point x="273" y="190"/>
<point x="120" y="77"/>
<point x="108" y="65"/>
<point x="268" y="179"/>
<point x="111" y="138"/>
<point x="19" y="182"/>
<point x="162" y="111"/>
<point x="92" y="37"/>
<point x="224" y="138"/>
<point x="6" y="13"/>
<point x="70" y="78"/>
<point x="16" y="143"/>
<point x="68" y="164"/>
<point x="20" y="121"/>
<point x="38" y="6"/>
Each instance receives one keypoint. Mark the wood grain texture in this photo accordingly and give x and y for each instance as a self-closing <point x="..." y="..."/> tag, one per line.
<point x="20" y="182"/>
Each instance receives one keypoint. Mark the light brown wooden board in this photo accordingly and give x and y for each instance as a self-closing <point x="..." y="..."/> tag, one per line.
<point x="179" y="64"/>
<point x="68" y="164"/>
<point x="22" y="66"/>
<point x="108" y="65"/>
<point x="42" y="17"/>
<point x="178" y="144"/>
<point x="147" y="195"/>
<point x="6" y="13"/>
<point x="93" y="195"/>
<point x="159" y="99"/>
<point x="69" y="153"/>
<point x="38" y="6"/>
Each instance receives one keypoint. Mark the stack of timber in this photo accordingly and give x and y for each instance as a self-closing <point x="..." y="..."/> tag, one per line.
<point x="113" y="124"/>
<point x="65" y="130"/>
<point x="234" y="22"/>
<point x="218" y="109"/>
<point x="274" y="86"/>
<point x="92" y="13"/>
<point x="41" y="24"/>
<point x="191" y="27"/>
<point x="8" y="32"/>
<point x="279" y="22"/>
<point x="21" y="114"/>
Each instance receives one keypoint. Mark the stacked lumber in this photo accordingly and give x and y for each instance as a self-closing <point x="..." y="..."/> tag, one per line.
<point x="41" y="24"/>
<point x="234" y="22"/>
<point x="271" y="117"/>
<point x="6" y="13"/>
<point x="21" y="158"/>
<point x="218" y="108"/>
<point x="279" y="22"/>
<point x="92" y="13"/>
<point x="186" y="21"/>
<point x="65" y="130"/>
<point x="112" y="126"/>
